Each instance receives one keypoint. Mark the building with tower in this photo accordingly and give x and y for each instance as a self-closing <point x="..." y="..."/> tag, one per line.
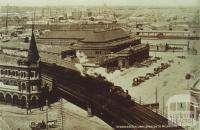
<point x="20" y="78"/>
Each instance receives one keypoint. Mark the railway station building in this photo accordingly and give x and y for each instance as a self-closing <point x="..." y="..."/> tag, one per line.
<point x="20" y="79"/>
<point x="98" y="45"/>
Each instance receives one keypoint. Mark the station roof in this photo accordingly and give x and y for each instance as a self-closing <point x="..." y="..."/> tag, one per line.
<point x="87" y="35"/>
<point x="100" y="45"/>
<point x="106" y="36"/>
<point x="65" y="34"/>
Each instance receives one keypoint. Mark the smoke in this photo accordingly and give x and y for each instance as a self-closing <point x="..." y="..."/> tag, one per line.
<point x="102" y="72"/>
<point x="82" y="58"/>
<point x="80" y="68"/>
<point x="84" y="67"/>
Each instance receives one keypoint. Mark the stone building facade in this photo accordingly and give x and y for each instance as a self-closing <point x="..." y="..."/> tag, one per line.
<point x="20" y="78"/>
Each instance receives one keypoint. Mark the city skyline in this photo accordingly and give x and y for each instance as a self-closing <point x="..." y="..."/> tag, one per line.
<point x="100" y="2"/>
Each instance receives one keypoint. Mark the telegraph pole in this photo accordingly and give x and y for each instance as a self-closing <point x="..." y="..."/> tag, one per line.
<point x="6" y="31"/>
<point x="47" y="127"/>
<point x="163" y="105"/>
<point x="61" y="115"/>
<point x="156" y="100"/>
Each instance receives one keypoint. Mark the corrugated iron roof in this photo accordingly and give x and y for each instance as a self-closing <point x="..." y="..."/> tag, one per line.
<point x="70" y="34"/>
<point x="106" y="36"/>
<point x="87" y="35"/>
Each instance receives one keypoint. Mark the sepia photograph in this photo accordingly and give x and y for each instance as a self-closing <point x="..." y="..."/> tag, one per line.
<point x="99" y="64"/>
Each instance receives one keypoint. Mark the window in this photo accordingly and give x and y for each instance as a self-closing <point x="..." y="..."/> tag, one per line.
<point x="9" y="73"/>
<point x="33" y="88"/>
<point x="16" y="73"/>
<point x="181" y="106"/>
<point x="23" y="86"/>
<point x="173" y="107"/>
<point x="22" y="74"/>
<point x="2" y="72"/>
<point x="13" y="73"/>
<point x="98" y="52"/>
<point x="20" y="88"/>
<point x="6" y="72"/>
<point x="28" y="89"/>
<point x="32" y="74"/>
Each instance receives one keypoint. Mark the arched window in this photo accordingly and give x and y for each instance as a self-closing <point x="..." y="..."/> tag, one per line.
<point x="13" y="73"/>
<point x="23" y="86"/>
<point x="22" y="74"/>
<point x="6" y="72"/>
<point x="32" y="74"/>
<point x="16" y="73"/>
<point x="9" y="72"/>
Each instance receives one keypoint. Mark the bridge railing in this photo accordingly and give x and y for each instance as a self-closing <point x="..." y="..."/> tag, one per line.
<point x="139" y="101"/>
<point x="158" y="111"/>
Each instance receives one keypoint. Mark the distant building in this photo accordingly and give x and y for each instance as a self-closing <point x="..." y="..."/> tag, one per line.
<point x="76" y="15"/>
<point x="160" y="26"/>
<point x="20" y="81"/>
<point x="91" y="42"/>
<point x="126" y="57"/>
<point x="41" y="22"/>
<point x="98" y="43"/>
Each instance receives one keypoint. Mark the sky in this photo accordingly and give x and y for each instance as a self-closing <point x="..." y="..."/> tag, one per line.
<point x="100" y="2"/>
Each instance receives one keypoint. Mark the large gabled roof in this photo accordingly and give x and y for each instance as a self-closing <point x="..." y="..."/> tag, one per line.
<point x="106" y="35"/>
<point x="91" y="36"/>
<point x="66" y="34"/>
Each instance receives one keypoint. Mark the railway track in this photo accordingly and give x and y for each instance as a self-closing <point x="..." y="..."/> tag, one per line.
<point x="84" y="91"/>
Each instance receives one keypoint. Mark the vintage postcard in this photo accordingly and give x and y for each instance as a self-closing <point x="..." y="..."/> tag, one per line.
<point x="99" y="65"/>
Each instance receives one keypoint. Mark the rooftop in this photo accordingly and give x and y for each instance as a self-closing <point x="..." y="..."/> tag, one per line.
<point x="106" y="36"/>
<point x="9" y="60"/>
<point x="105" y="44"/>
<point x="65" y="34"/>
<point x="92" y="36"/>
<point x="14" y="53"/>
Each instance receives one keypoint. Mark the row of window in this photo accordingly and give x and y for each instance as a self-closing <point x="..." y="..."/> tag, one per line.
<point x="23" y="87"/>
<point x="28" y="89"/>
<point x="22" y="74"/>
<point x="180" y="106"/>
<point x="93" y="52"/>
